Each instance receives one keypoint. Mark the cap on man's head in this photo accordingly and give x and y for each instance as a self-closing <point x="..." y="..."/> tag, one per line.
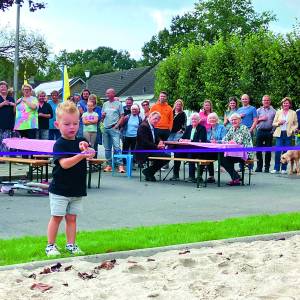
<point x="76" y="94"/>
<point x="129" y="98"/>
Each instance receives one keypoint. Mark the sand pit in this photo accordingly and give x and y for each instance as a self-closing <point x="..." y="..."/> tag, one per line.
<point x="257" y="270"/>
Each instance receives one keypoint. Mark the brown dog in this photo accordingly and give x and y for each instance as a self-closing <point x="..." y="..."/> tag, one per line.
<point x="291" y="156"/>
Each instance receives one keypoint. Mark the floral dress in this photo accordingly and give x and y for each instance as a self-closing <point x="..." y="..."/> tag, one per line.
<point x="240" y="135"/>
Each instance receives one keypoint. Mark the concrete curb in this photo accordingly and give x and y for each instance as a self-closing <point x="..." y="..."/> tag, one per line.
<point x="96" y="258"/>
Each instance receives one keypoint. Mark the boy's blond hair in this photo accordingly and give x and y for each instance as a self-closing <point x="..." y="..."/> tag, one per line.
<point x="67" y="107"/>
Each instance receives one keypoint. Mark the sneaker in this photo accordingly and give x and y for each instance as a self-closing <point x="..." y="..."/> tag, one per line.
<point x="107" y="169"/>
<point x="148" y="175"/>
<point x="283" y="171"/>
<point x="73" y="249"/>
<point x="258" y="170"/>
<point x="267" y="170"/>
<point x="274" y="172"/>
<point x="192" y="179"/>
<point x="210" y="180"/>
<point x="51" y="250"/>
<point x="174" y="178"/>
<point x="121" y="169"/>
<point x="234" y="182"/>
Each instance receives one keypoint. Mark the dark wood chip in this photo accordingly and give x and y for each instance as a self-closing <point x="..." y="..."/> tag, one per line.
<point x="150" y="259"/>
<point x="184" y="252"/>
<point x="107" y="264"/>
<point x="46" y="271"/>
<point x="33" y="275"/>
<point x="68" y="268"/>
<point x="132" y="262"/>
<point x="56" y="268"/>
<point x="86" y="276"/>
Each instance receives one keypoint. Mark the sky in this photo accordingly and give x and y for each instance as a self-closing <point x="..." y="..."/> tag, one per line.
<point x="121" y="24"/>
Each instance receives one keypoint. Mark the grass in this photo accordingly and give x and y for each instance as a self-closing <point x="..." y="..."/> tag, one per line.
<point x="27" y="249"/>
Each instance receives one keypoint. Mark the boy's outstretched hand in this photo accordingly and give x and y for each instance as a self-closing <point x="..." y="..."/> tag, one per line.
<point x="86" y="150"/>
<point x="83" y="145"/>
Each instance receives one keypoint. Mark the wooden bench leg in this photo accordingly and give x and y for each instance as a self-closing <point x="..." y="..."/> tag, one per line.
<point x="250" y="173"/>
<point x="198" y="175"/>
<point x="30" y="173"/>
<point x="9" y="172"/>
<point x="140" y="170"/>
<point x="205" y="180"/>
<point x="41" y="168"/>
<point x="219" y="169"/>
<point x="89" y="175"/>
<point x="99" y="175"/>
<point x="243" y="173"/>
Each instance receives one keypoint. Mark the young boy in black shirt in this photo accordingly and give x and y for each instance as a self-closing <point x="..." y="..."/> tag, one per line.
<point x="69" y="177"/>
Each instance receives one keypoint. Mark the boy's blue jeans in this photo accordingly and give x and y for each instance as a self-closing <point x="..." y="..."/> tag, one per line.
<point x="283" y="140"/>
<point x="111" y="138"/>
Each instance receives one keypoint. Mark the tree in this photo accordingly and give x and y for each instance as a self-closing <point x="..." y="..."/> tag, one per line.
<point x="33" y="5"/>
<point x="209" y="20"/>
<point x="99" y="60"/>
<point x="261" y="63"/>
<point x="6" y="70"/>
<point x="34" y="50"/>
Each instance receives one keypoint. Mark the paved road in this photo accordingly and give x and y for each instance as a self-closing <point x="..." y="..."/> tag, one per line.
<point x="123" y="202"/>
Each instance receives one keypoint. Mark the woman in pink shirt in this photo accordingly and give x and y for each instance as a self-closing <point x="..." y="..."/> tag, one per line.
<point x="207" y="108"/>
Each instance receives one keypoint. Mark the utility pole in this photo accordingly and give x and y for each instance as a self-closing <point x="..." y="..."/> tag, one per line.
<point x="16" y="62"/>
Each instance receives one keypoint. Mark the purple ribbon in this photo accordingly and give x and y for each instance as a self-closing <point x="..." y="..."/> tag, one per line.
<point x="186" y="150"/>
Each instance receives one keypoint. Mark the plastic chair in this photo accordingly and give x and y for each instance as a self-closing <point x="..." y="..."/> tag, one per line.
<point x="129" y="162"/>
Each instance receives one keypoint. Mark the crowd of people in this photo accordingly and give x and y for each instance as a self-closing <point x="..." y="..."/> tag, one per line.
<point x="122" y="129"/>
<point x="79" y="125"/>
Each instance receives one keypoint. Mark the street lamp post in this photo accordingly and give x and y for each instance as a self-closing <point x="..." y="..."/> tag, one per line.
<point x="16" y="62"/>
<point x="87" y="74"/>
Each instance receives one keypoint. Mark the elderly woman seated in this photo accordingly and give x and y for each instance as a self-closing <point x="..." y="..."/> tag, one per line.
<point x="237" y="134"/>
<point x="215" y="134"/>
<point x="215" y="131"/>
<point x="193" y="133"/>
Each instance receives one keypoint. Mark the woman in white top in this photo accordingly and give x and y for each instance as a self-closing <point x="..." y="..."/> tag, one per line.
<point x="285" y="123"/>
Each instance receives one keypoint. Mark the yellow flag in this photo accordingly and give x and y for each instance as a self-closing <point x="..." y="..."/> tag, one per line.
<point x="66" y="85"/>
<point x="25" y="78"/>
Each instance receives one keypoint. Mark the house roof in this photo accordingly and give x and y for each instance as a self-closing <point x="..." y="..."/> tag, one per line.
<point x="120" y="81"/>
<point x="50" y="86"/>
<point x="143" y="86"/>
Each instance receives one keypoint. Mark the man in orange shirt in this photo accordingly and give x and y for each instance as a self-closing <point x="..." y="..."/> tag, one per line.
<point x="165" y="124"/>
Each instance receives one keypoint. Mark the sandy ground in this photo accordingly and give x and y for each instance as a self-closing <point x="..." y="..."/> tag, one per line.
<point x="257" y="270"/>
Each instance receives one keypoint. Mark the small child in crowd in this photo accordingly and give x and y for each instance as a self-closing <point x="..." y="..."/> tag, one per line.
<point x="90" y="121"/>
<point x="69" y="177"/>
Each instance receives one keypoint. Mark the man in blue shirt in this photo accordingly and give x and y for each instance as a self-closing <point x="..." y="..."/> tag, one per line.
<point x="248" y="113"/>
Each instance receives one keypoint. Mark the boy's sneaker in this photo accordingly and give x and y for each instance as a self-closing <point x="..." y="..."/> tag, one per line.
<point x="51" y="250"/>
<point x="73" y="249"/>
